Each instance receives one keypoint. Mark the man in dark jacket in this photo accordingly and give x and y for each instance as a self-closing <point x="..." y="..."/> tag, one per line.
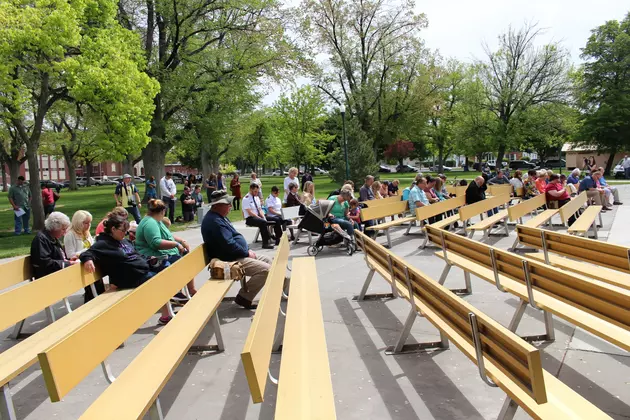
<point x="47" y="255"/>
<point x="222" y="241"/>
<point x="475" y="191"/>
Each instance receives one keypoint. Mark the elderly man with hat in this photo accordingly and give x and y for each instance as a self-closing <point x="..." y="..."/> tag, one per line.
<point x="127" y="196"/>
<point x="223" y="241"/>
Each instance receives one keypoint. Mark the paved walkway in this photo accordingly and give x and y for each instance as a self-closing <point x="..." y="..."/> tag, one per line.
<point x="367" y="383"/>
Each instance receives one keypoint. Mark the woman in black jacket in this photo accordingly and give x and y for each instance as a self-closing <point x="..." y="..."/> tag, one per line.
<point x="115" y="256"/>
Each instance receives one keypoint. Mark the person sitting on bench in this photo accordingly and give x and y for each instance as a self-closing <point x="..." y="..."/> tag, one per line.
<point x="555" y="191"/>
<point x="417" y="196"/>
<point x="254" y="216"/>
<point x="224" y="242"/>
<point x="609" y="189"/>
<point x="499" y="179"/>
<point x="530" y="185"/>
<point x="589" y="184"/>
<point x="274" y="210"/>
<point x="47" y="255"/>
<point x="475" y="191"/>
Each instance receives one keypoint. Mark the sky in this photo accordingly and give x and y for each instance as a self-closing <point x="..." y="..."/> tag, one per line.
<point x="457" y="28"/>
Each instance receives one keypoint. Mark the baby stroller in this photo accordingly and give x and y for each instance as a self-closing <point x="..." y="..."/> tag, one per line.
<point x="316" y="221"/>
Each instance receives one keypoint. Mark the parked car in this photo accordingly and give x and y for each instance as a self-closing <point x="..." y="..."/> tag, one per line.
<point x="553" y="164"/>
<point x="521" y="164"/>
<point x="384" y="169"/>
<point x="436" y="168"/>
<point x="81" y="182"/>
<point x="277" y="172"/>
<point x="406" y="168"/>
<point x="320" y="171"/>
<point x="51" y="184"/>
<point x="618" y="171"/>
<point x="104" y="180"/>
<point x="493" y="164"/>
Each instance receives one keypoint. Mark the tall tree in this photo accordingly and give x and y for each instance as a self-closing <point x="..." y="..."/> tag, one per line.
<point x="192" y="46"/>
<point x="72" y="51"/>
<point x="604" y="88"/>
<point x="11" y="153"/>
<point x="375" y="56"/>
<point x="520" y="75"/>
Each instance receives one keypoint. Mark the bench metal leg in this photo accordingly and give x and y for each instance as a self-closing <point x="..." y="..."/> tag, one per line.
<point x="389" y="240"/>
<point x="470" y="235"/>
<point x="66" y="303"/>
<point x="508" y="411"/>
<point x="257" y="235"/>
<point x="505" y="225"/>
<point x="372" y="296"/>
<point x="409" y="228"/>
<point x="549" y="335"/>
<point x="515" y="244"/>
<point x="107" y="372"/>
<point x="155" y="412"/>
<point x="594" y="226"/>
<point x="424" y="243"/>
<point x="279" y="336"/>
<point x="444" y="274"/>
<point x="169" y="307"/>
<point x="601" y="223"/>
<point x="400" y="347"/>
<point x="17" y="332"/>
<point x="204" y="348"/>
<point x="50" y="314"/>
<point x="7" y="411"/>
<point x="468" y="289"/>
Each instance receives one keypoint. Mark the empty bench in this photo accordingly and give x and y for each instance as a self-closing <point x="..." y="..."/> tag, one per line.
<point x="599" y="260"/>
<point x="68" y="361"/>
<point x="599" y="308"/>
<point x="585" y="221"/>
<point x="304" y="383"/>
<point x="382" y="211"/>
<point x="503" y="359"/>
<point x="531" y="207"/>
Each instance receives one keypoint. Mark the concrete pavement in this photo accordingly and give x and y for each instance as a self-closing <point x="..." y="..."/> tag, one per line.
<point x="367" y="383"/>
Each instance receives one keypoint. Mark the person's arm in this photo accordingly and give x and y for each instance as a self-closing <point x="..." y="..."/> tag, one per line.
<point x="556" y="193"/>
<point x="230" y="245"/>
<point x="12" y="202"/>
<point x="182" y="242"/>
<point x="152" y="237"/>
<point x="163" y="187"/>
<point x="138" y="201"/>
<point x="41" y="255"/>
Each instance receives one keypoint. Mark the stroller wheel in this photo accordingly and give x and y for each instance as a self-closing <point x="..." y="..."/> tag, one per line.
<point x="312" y="251"/>
<point x="350" y="250"/>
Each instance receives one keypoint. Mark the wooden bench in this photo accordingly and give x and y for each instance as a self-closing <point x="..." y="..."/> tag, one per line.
<point x="425" y="212"/>
<point x="305" y="387"/>
<point x="602" y="309"/>
<point x="586" y="221"/>
<point x="383" y="211"/>
<point x="382" y="202"/>
<point x="30" y="298"/>
<point x="15" y="272"/>
<point x="503" y="359"/>
<point x="479" y="208"/>
<point x="68" y="361"/>
<point x="496" y="190"/>
<point x="458" y="190"/>
<point x="603" y="261"/>
<point x="531" y="207"/>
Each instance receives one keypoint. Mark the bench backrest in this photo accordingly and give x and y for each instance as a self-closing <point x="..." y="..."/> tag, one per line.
<point x="15" y="272"/>
<point x="67" y="362"/>
<point x="602" y="300"/>
<point x="472" y="210"/>
<point x="256" y="353"/>
<point x="526" y="207"/>
<point x="513" y="356"/>
<point x="425" y="212"/>
<point x="458" y="190"/>
<point x="616" y="257"/>
<point x="378" y="212"/>
<point x="572" y="206"/>
<point x="30" y="298"/>
<point x="382" y="202"/>
<point x="500" y="189"/>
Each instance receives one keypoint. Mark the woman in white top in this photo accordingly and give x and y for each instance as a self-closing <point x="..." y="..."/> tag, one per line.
<point x="517" y="180"/>
<point x="78" y="238"/>
<point x="291" y="179"/>
<point x="257" y="181"/>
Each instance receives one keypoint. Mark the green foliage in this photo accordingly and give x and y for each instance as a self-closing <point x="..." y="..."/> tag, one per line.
<point x="298" y="122"/>
<point x="360" y="156"/>
<point x="603" y="84"/>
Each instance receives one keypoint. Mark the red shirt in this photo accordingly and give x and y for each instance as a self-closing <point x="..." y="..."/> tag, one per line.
<point x="556" y="186"/>
<point x="47" y="196"/>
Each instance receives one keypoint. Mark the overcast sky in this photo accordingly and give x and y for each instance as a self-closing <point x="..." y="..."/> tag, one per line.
<point x="457" y="28"/>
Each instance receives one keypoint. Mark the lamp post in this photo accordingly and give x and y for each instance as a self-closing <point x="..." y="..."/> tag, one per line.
<point x="345" y="139"/>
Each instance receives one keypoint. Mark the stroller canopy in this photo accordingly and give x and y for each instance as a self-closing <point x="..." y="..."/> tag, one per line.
<point x="321" y="209"/>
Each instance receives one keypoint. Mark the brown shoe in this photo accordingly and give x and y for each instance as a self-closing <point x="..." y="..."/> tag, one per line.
<point x="239" y="300"/>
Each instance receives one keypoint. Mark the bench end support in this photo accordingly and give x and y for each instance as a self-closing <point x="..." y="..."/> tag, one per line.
<point x="401" y="348"/>
<point x="6" y="404"/>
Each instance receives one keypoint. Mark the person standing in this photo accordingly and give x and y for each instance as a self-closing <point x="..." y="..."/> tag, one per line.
<point x="150" y="191"/>
<point x="256" y="180"/>
<point x="127" y="196"/>
<point x="49" y="197"/>
<point x="235" y="187"/>
<point x="197" y="196"/>
<point x="211" y="185"/>
<point x="292" y="178"/>
<point x="220" y="182"/>
<point x="254" y="216"/>
<point x="188" y="205"/>
<point x="20" y="199"/>
<point x="307" y="177"/>
<point x="626" y="166"/>
<point x="168" y="190"/>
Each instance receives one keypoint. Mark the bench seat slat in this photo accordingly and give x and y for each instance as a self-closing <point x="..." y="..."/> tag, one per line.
<point x="541" y="218"/>
<point x="135" y="389"/>
<point x="445" y="222"/>
<point x="586" y="219"/>
<point x="21" y="356"/>
<point x="305" y="387"/>
<point x="489" y="221"/>
<point x="393" y="223"/>
<point x="382" y="211"/>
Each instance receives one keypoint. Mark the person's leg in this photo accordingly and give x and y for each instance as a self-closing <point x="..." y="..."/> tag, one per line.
<point x="595" y="196"/>
<point x="562" y="203"/>
<point x="262" y="225"/>
<point x="25" y="220"/>
<point x="345" y="225"/>
<point x="256" y="269"/>
<point x="171" y="210"/>
<point x="236" y="203"/>
<point x="135" y="213"/>
<point x="615" y="193"/>
<point x="627" y="171"/>
<point x="18" y="224"/>
<point x="608" y="199"/>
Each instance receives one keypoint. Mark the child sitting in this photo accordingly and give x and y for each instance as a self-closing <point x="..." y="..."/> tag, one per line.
<point x="354" y="214"/>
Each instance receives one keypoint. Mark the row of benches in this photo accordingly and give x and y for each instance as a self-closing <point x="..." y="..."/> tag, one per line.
<point x="504" y="360"/>
<point x="70" y="348"/>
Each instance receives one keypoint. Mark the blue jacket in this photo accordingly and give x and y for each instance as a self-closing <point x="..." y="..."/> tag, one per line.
<point x="221" y="240"/>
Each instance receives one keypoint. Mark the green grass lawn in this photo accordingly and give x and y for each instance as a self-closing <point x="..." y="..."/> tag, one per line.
<point x="100" y="200"/>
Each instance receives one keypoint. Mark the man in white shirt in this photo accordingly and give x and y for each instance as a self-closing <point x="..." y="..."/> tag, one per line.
<point x="626" y="166"/>
<point x="168" y="190"/>
<point x="291" y="179"/>
<point x="255" y="217"/>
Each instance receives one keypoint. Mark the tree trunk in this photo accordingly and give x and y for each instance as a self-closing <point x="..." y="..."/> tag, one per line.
<point x="205" y="163"/>
<point x="441" y="159"/>
<point x="500" y="154"/>
<point x="611" y="161"/>
<point x="466" y="164"/>
<point x="37" y="206"/>
<point x="154" y="159"/>
<point x="88" y="173"/>
<point x="127" y="165"/>
<point x="71" y="168"/>
<point x="14" y="170"/>
<point x="4" y="177"/>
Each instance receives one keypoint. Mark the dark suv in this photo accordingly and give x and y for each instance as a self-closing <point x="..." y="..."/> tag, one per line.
<point x="521" y="164"/>
<point x="553" y="164"/>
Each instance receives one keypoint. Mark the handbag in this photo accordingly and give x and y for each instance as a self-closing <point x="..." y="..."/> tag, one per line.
<point x="225" y="270"/>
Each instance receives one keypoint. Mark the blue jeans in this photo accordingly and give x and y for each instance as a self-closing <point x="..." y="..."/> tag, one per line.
<point x="493" y="212"/>
<point x="166" y="262"/>
<point x="135" y="213"/>
<point x="22" y="221"/>
<point x="627" y="173"/>
<point x="345" y="225"/>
